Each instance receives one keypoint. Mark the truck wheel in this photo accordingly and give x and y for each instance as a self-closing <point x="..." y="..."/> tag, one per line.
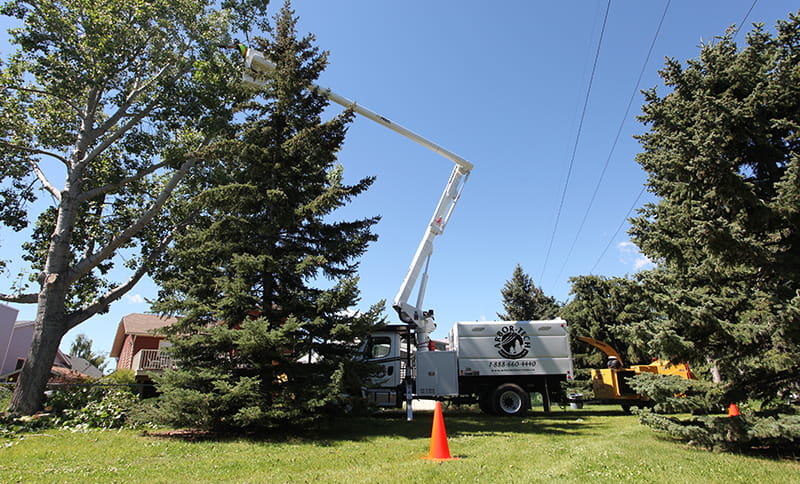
<point x="510" y="400"/>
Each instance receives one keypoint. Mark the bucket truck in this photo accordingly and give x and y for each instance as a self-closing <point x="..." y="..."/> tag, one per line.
<point x="494" y="363"/>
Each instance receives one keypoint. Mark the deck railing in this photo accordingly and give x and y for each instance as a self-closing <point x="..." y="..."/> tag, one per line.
<point x="151" y="360"/>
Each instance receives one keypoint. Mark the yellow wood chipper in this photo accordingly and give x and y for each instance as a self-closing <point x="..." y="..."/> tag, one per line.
<point x="610" y="385"/>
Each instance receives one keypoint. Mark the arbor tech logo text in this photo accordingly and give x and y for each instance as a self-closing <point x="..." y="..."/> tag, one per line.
<point x="512" y="342"/>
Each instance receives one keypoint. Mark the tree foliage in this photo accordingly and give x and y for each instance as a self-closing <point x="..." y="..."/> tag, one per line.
<point x="722" y="156"/>
<point x="524" y="301"/>
<point x="117" y="99"/>
<point x="82" y="348"/>
<point x="605" y="309"/>
<point x="260" y="345"/>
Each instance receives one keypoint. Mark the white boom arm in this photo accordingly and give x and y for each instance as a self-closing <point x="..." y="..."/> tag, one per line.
<point x="409" y="314"/>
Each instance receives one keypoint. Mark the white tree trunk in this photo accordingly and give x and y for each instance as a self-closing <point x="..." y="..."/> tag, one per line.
<point x="716" y="377"/>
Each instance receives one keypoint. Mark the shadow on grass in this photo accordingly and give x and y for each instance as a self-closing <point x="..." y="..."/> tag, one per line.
<point x="393" y="423"/>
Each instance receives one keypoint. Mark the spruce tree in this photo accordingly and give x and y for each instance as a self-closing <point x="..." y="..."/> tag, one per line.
<point x="260" y="344"/>
<point x="605" y="309"/>
<point x="722" y="157"/>
<point x="524" y="301"/>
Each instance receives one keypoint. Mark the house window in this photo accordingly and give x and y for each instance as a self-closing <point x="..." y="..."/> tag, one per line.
<point x="20" y="362"/>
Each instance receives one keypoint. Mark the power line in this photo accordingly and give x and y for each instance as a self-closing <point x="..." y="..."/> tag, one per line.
<point x="641" y="192"/>
<point x="577" y="139"/>
<point x="616" y="139"/>
<point x="619" y="227"/>
<point x="744" y="19"/>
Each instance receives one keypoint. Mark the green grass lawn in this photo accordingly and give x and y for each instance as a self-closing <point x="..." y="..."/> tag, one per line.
<point x="596" y="444"/>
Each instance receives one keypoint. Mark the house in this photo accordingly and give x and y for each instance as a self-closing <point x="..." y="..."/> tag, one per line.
<point x="138" y="347"/>
<point x="15" y="341"/>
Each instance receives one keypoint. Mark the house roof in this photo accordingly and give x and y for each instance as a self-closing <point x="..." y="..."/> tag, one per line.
<point x="57" y="374"/>
<point x="83" y="366"/>
<point x="138" y="324"/>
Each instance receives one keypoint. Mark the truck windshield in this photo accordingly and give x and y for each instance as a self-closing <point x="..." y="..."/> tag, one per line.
<point x="379" y="347"/>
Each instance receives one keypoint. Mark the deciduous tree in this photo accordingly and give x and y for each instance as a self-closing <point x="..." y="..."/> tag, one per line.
<point x="82" y="348"/>
<point x="116" y="99"/>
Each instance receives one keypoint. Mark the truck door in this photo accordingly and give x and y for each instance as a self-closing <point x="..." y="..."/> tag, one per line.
<point x="383" y="349"/>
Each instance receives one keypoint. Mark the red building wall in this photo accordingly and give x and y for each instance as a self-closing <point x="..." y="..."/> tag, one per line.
<point x="132" y="345"/>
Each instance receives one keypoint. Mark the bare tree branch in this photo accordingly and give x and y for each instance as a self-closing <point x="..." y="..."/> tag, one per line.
<point x="90" y="194"/>
<point x="20" y="298"/>
<point x="103" y="302"/>
<point x="44" y="181"/>
<point x="134" y="119"/>
<point x="122" y="111"/>
<point x="88" y="263"/>
<point x="35" y="151"/>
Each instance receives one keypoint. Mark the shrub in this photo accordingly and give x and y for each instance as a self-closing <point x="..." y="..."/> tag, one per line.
<point x="5" y="396"/>
<point x="92" y="406"/>
<point x="122" y="376"/>
<point x="673" y="394"/>
<point x="110" y="411"/>
<point x="757" y="430"/>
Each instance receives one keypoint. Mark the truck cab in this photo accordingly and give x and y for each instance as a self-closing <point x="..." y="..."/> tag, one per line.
<point x="387" y="349"/>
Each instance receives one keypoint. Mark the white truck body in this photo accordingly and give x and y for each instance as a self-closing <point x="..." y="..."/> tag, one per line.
<point x="495" y="363"/>
<point x="503" y="348"/>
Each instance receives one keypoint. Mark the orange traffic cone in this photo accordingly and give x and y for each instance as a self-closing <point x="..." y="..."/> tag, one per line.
<point x="733" y="410"/>
<point x="439" y="448"/>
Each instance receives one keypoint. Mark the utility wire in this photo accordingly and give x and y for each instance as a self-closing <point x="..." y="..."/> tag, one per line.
<point x="741" y="24"/>
<point x="621" y="224"/>
<point x="616" y="139"/>
<point x="641" y="192"/>
<point x="575" y="147"/>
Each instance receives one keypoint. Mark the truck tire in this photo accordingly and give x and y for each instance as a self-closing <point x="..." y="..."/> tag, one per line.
<point x="509" y="400"/>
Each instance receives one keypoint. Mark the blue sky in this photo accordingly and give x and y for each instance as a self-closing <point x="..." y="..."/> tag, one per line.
<point x="502" y="84"/>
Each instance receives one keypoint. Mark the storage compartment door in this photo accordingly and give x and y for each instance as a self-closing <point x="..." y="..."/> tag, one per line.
<point x="437" y="374"/>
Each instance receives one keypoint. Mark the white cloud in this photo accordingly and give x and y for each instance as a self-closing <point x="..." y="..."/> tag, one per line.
<point x="630" y="256"/>
<point x="134" y="298"/>
<point x="642" y="262"/>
